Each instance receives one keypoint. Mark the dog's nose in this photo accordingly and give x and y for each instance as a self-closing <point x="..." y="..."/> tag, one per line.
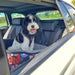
<point x="32" y="26"/>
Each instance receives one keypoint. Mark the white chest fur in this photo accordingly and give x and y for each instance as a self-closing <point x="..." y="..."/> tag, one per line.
<point x="24" y="46"/>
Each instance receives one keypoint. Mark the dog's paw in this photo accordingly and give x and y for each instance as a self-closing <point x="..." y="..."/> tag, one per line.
<point x="10" y="48"/>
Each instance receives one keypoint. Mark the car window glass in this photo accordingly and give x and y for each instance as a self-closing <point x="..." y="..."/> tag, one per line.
<point x="49" y="15"/>
<point x="67" y="18"/>
<point x="2" y="20"/>
<point x="17" y="15"/>
<point x="71" y="11"/>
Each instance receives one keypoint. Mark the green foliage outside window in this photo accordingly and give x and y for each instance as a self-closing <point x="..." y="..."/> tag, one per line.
<point x="2" y="20"/>
<point x="47" y="15"/>
<point x="73" y="2"/>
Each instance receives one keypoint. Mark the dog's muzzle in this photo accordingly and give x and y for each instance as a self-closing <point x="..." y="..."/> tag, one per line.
<point x="32" y="27"/>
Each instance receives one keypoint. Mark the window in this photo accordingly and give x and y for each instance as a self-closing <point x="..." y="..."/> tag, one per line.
<point x="71" y="11"/>
<point x="17" y="15"/>
<point x="49" y="15"/>
<point x="2" y="20"/>
<point x="67" y="17"/>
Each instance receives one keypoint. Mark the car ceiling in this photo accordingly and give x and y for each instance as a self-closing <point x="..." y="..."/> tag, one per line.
<point x="15" y="5"/>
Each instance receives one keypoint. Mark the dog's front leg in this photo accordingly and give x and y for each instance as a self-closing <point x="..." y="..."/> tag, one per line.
<point x="32" y="45"/>
<point x="14" y="46"/>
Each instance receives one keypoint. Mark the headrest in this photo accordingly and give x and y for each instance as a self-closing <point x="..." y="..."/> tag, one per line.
<point x="49" y="26"/>
<point x="17" y="21"/>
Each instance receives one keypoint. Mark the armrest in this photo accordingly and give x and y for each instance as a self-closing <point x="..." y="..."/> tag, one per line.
<point x="7" y="33"/>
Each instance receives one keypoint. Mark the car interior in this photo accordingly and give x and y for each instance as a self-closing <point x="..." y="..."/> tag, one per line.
<point x="51" y="30"/>
<point x="47" y="35"/>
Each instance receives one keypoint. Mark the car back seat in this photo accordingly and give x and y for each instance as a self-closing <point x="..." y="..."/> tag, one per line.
<point x="51" y="32"/>
<point x="14" y="29"/>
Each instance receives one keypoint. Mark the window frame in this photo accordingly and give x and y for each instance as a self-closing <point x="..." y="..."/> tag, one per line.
<point x="57" y="2"/>
<point x="62" y="2"/>
<point x="68" y="11"/>
<point x="7" y="19"/>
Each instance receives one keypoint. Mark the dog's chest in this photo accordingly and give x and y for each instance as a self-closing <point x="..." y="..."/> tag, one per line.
<point x="28" y="43"/>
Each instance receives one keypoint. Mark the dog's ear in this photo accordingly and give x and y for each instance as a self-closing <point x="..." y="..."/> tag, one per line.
<point x="36" y="19"/>
<point x="39" y="23"/>
<point x="24" y="25"/>
<point x="40" y="27"/>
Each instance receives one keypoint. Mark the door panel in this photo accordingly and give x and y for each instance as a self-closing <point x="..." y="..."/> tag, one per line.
<point x="4" y="69"/>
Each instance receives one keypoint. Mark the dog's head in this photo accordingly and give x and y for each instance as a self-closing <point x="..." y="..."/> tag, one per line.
<point x="30" y="25"/>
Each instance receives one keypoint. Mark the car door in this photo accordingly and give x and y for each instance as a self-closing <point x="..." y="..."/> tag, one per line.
<point x="4" y="69"/>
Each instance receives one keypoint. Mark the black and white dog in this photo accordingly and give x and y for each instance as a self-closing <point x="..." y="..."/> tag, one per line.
<point x="25" y="39"/>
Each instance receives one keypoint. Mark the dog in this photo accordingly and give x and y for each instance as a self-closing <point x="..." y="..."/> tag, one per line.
<point x="25" y="39"/>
